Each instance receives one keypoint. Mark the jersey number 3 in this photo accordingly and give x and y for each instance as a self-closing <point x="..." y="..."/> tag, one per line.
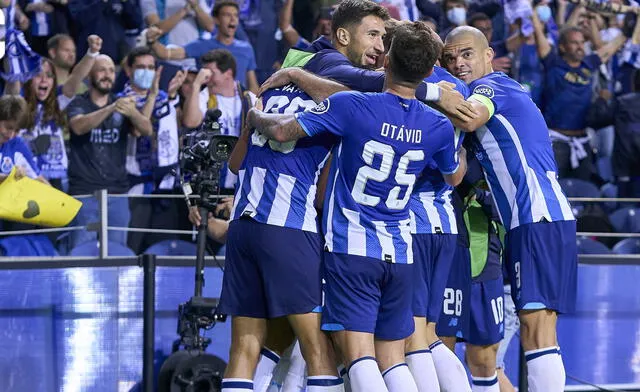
<point x="275" y="105"/>
<point x="393" y="202"/>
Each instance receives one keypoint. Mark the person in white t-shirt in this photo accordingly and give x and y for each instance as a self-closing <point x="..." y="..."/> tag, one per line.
<point x="218" y="73"/>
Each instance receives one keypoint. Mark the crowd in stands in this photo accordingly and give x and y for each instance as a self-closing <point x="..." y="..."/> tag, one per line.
<point x="118" y="82"/>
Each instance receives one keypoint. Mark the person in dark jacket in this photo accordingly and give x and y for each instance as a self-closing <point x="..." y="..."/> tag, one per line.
<point x="622" y="112"/>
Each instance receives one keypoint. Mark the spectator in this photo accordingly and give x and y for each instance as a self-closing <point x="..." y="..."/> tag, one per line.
<point x="13" y="150"/>
<point x="107" y="19"/>
<point x="502" y="49"/>
<point x="568" y="94"/>
<point x="292" y="36"/>
<point x="45" y="125"/>
<point x="62" y="51"/>
<point x="181" y="21"/>
<point x="99" y="125"/>
<point x="47" y="18"/>
<point x="223" y="93"/>
<point x="225" y="14"/>
<point x="626" y="160"/>
<point x="65" y="55"/>
<point x="150" y="159"/>
<point x="455" y="12"/>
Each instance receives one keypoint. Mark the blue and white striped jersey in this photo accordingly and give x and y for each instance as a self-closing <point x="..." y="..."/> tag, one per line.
<point x="515" y="152"/>
<point x="430" y="204"/>
<point x="277" y="181"/>
<point x="386" y="142"/>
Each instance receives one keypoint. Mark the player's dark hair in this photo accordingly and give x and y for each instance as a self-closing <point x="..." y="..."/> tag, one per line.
<point x="563" y="36"/>
<point x="390" y="26"/>
<point x="54" y="42"/>
<point x="136" y="52"/>
<point x="224" y="3"/>
<point x="350" y="13"/>
<point x="12" y="108"/>
<point x="414" y="51"/>
<point x="223" y="58"/>
<point x="477" y="17"/>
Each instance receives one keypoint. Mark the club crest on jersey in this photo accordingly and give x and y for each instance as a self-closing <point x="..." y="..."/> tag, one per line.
<point x="321" y="108"/>
<point x="485" y="90"/>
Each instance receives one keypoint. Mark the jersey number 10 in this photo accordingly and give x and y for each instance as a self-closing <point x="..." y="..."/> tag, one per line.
<point x="365" y="173"/>
<point x="274" y="105"/>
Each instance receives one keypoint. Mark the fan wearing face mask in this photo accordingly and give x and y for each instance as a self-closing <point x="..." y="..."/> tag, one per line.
<point x="150" y="158"/>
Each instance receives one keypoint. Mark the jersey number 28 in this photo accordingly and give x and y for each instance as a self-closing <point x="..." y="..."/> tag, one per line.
<point x="365" y="173"/>
<point x="274" y="105"/>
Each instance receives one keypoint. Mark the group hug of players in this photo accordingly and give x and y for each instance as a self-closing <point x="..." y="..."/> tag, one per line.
<point x="363" y="286"/>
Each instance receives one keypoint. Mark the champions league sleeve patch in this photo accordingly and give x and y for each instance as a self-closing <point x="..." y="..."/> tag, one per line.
<point x="483" y="89"/>
<point x="322" y="107"/>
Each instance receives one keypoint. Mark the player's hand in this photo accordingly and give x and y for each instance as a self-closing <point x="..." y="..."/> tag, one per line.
<point x="176" y="82"/>
<point x="502" y="64"/>
<point x="447" y="85"/>
<point x="277" y="79"/>
<point x="453" y="104"/>
<point x="95" y="43"/>
<point x="153" y="33"/>
<point x="126" y="106"/>
<point x="224" y="207"/>
<point x="202" y="77"/>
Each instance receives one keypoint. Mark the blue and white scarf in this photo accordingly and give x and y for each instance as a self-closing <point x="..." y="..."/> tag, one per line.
<point x="24" y="63"/>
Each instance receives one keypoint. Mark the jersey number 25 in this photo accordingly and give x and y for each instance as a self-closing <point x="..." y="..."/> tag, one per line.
<point x="365" y="173"/>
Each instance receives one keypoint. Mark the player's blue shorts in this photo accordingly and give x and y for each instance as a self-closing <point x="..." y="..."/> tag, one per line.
<point x="363" y="294"/>
<point x="542" y="263"/>
<point x="486" y="324"/>
<point x="454" y="317"/>
<point x="432" y="259"/>
<point x="270" y="271"/>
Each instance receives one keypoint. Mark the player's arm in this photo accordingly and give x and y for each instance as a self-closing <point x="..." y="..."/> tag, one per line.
<point x="455" y="178"/>
<point x="317" y="87"/>
<point x="485" y="109"/>
<point x="279" y="127"/>
<point x="242" y="145"/>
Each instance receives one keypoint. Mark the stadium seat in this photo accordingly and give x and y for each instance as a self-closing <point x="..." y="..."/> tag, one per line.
<point x="172" y="248"/>
<point x="92" y="248"/>
<point x="609" y="190"/>
<point x="587" y="246"/>
<point x="626" y="220"/>
<point x="628" y="246"/>
<point x="573" y="187"/>
<point x="26" y="245"/>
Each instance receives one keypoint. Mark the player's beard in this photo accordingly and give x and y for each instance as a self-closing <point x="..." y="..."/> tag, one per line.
<point x="356" y="59"/>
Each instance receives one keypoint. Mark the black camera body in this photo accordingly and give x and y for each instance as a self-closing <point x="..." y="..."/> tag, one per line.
<point x="203" y="155"/>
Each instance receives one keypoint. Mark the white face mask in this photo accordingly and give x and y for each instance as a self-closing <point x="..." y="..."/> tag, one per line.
<point x="457" y="16"/>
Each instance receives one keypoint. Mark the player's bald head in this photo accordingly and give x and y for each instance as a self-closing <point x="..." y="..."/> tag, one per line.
<point x="468" y="35"/>
<point x="467" y="54"/>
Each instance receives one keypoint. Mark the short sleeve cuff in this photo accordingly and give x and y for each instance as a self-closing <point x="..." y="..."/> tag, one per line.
<point x="452" y="171"/>
<point x="302" y="125"/>
<point x="485" y="101"/>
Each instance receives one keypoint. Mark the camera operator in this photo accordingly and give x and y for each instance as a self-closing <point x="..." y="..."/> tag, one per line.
<point x="218" y="221"/>
<point x="223" y="93"/>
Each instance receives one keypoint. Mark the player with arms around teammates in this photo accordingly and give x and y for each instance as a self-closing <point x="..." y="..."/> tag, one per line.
<point x="274" y="249"/>
<point x="368" y="254"/>
<point x="511" y="141"/>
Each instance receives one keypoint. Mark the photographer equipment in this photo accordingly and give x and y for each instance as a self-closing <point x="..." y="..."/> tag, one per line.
<point x="203" y="156"/>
